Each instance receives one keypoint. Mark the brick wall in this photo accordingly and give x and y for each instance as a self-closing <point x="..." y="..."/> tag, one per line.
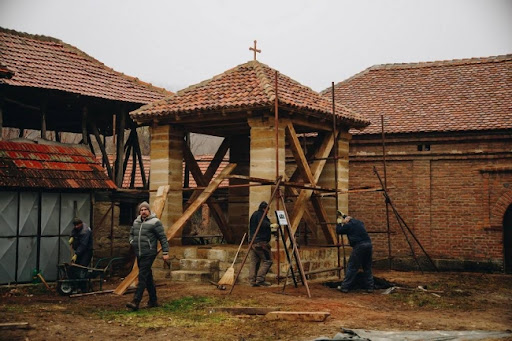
<point x="453" y="196"/>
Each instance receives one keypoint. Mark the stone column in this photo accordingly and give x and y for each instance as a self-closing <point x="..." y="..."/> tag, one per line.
<point x="263" y="159"/>
<point x="167" y="169"/>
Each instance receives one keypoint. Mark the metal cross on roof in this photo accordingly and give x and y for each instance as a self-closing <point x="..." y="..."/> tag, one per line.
<point x="254" y="49"/>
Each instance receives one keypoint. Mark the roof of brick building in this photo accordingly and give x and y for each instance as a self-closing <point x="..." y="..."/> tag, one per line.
<point x="443" y="96"/>
<point x="31" y="165"/>
<point x="45" y="62"/>
<point x="245" y="87"/>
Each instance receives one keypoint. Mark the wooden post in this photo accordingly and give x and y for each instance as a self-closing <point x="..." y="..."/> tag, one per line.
<point x="85" y="139"/>
<point x="1" y="117"/>
<point x="120" y="148"/>
<point x="102" y="148"/>
<point x="141" y="161"/>
<point x="43" y="120"/>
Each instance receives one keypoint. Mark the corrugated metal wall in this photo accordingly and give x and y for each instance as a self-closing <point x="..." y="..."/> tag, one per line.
<point x="34" y="232"/>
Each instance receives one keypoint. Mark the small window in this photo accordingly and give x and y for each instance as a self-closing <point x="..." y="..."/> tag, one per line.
<point x="423" y="147"/>
<point x="127" y="213"/>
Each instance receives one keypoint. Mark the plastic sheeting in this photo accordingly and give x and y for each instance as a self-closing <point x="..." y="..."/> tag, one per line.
<point x="428" y="335"/>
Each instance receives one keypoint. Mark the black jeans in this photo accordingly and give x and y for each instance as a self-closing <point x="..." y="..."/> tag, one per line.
<point x="145" y="263"/>
<point x="261" y="261"/>
<point x="361" y="256"/>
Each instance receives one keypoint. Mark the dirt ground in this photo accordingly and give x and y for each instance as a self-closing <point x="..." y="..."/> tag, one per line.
<point x="454" y="301"/>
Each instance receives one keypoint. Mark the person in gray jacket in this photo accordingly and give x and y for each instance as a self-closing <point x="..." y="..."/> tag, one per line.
<point x="145" y="232"/>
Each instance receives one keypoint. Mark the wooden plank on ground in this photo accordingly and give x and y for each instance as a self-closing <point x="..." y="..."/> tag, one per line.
<point x="304" y="316"/>
<point x="245" y="310"/>
<point x="178" y="224"/>
<point x="14" y="325"/>
<point x="92" y="293"/>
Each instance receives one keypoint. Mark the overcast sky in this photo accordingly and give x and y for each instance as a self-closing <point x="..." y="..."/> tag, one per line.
<point x="174" y="44"/>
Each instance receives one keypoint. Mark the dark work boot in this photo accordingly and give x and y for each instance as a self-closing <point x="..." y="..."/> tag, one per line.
<point x="152" y="304"/>
<point x="133" y="305"/>
<point x="264" y="284"/>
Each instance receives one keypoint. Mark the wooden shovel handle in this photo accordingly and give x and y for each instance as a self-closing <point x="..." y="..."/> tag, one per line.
<point x="241" y="243"/>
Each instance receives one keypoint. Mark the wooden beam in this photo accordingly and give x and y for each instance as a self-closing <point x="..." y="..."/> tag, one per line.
<point x="213" y="166"/>
<point x="127" y="152"/>
<point x="217" y="159"/>
<point x="178" y="224"/>
<point x="120" y="148"/>
<point x="1" y="117"/>
<point x="216" y="210"/>
<point x="304" y="169"/>
<point x="145" y="183"/>
<point x="102" y="148"/>
<point x="306" y="316"/>
<point x="305" y="194"/>
<point x="85" y="137"/>
<point x="298" y="154"/>
<point x="43" y="121"/>
<point x="15" y="325"/>
<point x="245" y="310"/>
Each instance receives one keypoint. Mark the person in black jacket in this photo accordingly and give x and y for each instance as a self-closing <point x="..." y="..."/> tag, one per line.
<point x="260" y="252"/>
<point x="81" y="241"/>
<point x="361" y="255"/>
<point x="147" y="229"/>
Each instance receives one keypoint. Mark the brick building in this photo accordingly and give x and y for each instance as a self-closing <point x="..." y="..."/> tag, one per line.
<point x="448" y="149"/>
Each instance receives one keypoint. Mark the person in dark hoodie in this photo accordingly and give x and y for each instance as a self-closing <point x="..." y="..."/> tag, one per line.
<point x="81" y="241"/>
<point x="361" y="255"/>
<point x="260" y="252"/>
<point x="147" y="229"/>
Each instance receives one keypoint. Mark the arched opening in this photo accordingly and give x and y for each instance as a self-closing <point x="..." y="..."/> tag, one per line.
<point x="507" y="240"/>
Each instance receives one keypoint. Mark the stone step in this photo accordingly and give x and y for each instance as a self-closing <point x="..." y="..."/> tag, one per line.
<point x="199" y="264"/>
<point x="194" y="276"/>
<point x="161" y="274"/>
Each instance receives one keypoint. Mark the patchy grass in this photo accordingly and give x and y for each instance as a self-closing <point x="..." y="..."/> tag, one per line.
<point x="189" y="311"/>
<point x="418" y="299"/>
<point x="12" y="308"/>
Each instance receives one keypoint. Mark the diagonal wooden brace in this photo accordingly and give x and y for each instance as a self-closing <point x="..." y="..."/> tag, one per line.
<point x="178" y="224"/>
<point x="311" y="175"/>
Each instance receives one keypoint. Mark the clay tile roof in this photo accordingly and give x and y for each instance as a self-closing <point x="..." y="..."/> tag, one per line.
<point x="45" y="62"/>
<point x="245" y="87"/>
<point x="30" y="165"/>
<point x="443" y="96"/>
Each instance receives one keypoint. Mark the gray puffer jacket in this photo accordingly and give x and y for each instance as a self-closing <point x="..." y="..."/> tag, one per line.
<point x="144" y="236"/>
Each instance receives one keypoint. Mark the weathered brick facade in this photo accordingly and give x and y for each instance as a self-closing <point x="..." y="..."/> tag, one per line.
<point x="448" y="138"/>
<point x="453" y="197"/>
